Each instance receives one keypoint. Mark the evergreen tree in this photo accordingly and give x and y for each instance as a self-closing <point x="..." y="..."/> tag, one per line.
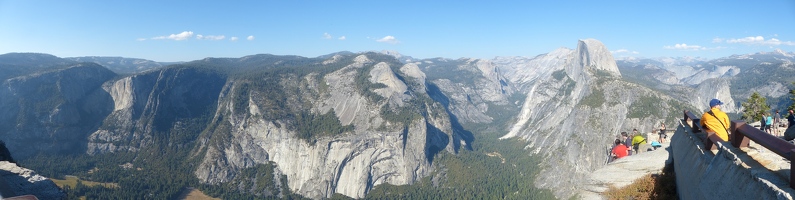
<point x="755" y="107"/>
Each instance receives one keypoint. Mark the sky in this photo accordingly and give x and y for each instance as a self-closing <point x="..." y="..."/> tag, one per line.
<point x="190" y="30"/>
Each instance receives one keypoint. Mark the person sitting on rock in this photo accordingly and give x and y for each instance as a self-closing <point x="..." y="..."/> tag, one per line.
<point x="620" y="150"/>
<point x="627" y="141"/>
<point x="716" y="120"/>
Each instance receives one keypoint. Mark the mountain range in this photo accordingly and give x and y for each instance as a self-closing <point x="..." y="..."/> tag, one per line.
<point x="352" y="123"/>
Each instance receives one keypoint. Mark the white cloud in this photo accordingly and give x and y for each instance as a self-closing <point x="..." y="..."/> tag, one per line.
<point x="341" y="38"/>
<point x="210" y="37"/>
<point x="755" y="40"/>
<point x="180" y="36"/>
<point x="388" y="39"/>
<point x="684" y="46"/>
<point x="326" y="36"/>
<point x="624" y="51"/>
<point x="747" y="40"/>
<point x="185" y="35"/>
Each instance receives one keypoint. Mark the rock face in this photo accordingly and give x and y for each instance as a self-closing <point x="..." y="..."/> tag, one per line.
<point x="20" y="181"/>
<point x="346" y="122"/>
<point x="378" y="150"/>
<point x="468" y="88"/>
<point x="574" y="100"/>
<point x="152" y="103"/>
<point x="592" y="54"/>
<point x="714" y="89"/>
<point x="733" y="78"/>
<point x="52" y="111"/>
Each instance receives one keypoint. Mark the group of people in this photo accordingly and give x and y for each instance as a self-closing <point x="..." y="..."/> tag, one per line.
<point x="714" y="120"/>
<point x="634" y="144"/>
<point x="770" y="124"/>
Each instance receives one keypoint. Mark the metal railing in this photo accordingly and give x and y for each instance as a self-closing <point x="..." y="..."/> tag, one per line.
<point x="740" y="135"/>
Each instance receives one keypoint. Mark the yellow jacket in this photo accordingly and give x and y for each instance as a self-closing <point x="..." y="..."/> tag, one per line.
<point x="711" y="123"/>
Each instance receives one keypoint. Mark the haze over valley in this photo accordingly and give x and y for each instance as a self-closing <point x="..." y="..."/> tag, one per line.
<point x="469" y="101"/>
<point x="350" y="123"/>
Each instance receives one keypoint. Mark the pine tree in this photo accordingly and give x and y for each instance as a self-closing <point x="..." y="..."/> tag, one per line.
<point x="755" y="107"/>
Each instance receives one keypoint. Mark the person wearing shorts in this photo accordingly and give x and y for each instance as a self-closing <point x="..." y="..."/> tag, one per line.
<point x="662" y="134"/>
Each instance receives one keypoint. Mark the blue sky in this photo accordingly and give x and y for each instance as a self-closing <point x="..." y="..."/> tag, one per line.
<point x="190" y="30"/>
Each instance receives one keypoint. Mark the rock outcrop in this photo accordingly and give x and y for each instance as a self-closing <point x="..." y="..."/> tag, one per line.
<point x="625" y="171"/>
<point x="591" y="54"/>
<point x="20" y="181"/>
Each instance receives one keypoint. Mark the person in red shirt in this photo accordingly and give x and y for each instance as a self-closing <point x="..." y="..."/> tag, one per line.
<point x="619" y="150"/>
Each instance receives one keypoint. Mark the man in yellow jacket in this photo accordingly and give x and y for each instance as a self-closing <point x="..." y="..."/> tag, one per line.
<point x="716" y="120"/>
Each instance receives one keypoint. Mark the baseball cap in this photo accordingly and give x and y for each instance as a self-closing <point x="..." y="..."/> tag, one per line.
<point x="714" y="102"/>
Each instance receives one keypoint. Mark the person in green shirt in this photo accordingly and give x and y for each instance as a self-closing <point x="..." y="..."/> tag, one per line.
<point x="639" y="144"/>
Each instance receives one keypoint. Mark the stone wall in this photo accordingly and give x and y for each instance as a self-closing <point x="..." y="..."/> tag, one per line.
<point x="728" y="173"/>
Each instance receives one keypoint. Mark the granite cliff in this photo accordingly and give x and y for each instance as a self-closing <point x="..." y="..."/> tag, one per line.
<point x="345" y="123"/>
<point x="53" y="111"/>
<point x="380" y="148"/>
<point x="576" y="101"/>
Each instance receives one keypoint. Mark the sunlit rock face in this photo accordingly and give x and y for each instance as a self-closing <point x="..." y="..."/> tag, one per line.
<point x="575" y="102"/>
<point x="376" y="151"/>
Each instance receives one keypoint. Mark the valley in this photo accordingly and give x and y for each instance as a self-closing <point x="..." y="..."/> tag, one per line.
<point x="353" y="125"/>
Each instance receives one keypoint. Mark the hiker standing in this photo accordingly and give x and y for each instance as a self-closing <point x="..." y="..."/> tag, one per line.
<point x="776" y="122"/>
<point x="763" y="123"/>
<point x="662" y="134"/>
<point x="769" y="124"/>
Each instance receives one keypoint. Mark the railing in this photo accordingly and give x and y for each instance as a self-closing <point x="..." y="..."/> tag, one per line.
<point x="739" y="135"/>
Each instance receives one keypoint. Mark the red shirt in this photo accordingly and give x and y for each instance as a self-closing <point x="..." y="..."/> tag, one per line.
<point x="620" y="151"/>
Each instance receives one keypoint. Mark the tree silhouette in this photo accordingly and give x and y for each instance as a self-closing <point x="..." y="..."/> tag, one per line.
<point x="755" y="107"/>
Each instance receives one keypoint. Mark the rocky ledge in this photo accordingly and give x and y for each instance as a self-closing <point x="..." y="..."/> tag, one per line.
<point x="18" y="181"/>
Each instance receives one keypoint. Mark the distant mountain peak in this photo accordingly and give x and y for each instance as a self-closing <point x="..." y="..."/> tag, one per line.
<point x="784" y="53"/>
<point x="593" y="54"/>
<point x="394" y="53"/>
<point x="398" y="56"/>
